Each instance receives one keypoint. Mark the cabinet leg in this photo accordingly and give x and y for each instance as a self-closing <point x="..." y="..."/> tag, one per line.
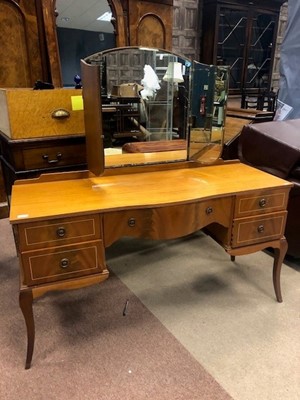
<point x="279" y="254"/>
<point x="25" y="301"/>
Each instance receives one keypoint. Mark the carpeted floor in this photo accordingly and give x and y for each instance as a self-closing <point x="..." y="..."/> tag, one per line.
<point x="86" y="349"/>
<point x="225" y="313"/>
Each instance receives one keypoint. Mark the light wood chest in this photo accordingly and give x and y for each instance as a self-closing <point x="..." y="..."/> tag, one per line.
<point x="28" y="113"/>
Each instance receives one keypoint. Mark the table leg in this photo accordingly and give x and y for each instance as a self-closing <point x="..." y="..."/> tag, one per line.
<point x="279" y="254"/>
<point x="25" y="301"/>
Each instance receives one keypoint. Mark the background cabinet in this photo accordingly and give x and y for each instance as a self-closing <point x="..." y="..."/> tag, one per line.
<point x="29" y="158"/>
<point x="149" y="22"/>
<point x="242" y="35"/>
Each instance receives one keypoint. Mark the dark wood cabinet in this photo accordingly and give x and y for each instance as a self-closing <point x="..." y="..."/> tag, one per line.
<point x="29" y="158"/>
<point x="150" y="23"/>
<point x="29" y="49"/>
<point x="241" y="34"/>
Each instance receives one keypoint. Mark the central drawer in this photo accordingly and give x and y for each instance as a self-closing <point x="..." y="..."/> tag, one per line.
<point x="167" y="222"/>
<point x="65" y="262"/>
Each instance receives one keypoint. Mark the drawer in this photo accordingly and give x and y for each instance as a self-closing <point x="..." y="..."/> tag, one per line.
<point x="43" y="153"/>
<point x="263" y="228"/>
<point x="27" y="113"/>
<point x="167" y="222"/>
<point x="59" y="232"/>
<point x="261" y="202"/>
<point x="135" y="223"/>
<point x="54" y="156"/>
<point x="181" y="220"/>
<point x="64" y="262"/>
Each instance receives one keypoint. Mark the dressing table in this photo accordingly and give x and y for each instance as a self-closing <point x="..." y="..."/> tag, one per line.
<point x="64" y="222"/>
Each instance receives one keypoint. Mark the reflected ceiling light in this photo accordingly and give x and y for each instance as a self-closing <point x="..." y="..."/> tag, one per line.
<point x="105" y="17"/>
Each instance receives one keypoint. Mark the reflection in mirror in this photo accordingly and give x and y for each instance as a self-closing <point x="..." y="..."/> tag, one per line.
<point x="208" y="111"/>
<point x="80" y="33"/>
<point x="156" y="106"/>
<point x="145" y="102"/>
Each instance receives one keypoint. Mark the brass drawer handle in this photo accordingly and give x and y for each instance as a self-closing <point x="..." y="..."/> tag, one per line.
<point x="260" y="229"/>
<point x="64" y="263"/>
<point x="61" y="231"/>
<point x="60" y="113"/>
<point x="262" y="202"/>
<point x="55" y="160"/>
<point x="131" y="222"/>
<point x="209" y="210"/>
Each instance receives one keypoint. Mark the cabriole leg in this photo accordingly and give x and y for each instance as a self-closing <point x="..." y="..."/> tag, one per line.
<point x="279" y="254"/>
<point x="25" y="301"/>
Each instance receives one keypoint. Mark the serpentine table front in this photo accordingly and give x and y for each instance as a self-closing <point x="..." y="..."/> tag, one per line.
<point x="63" y="222"/>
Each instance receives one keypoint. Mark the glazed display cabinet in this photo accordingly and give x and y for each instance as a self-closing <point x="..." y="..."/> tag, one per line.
<point x="242" y="35"/>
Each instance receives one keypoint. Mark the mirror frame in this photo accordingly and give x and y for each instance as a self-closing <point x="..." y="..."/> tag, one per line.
<point x="49" y="13"/>
<point x="93" y="115"/>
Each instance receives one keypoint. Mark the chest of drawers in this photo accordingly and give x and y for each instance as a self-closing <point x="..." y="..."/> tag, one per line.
<point x="27" y="113"/>
<point x="29" y="158"/>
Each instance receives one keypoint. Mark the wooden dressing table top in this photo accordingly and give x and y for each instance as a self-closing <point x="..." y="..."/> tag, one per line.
<point x="144" y="188"/>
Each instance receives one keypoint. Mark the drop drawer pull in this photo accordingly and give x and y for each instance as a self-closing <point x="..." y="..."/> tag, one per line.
<point x="260" y="228"/>
<point x="64" y="263"/>
<point x="55" y="160"/>
<point x="61" y="231"/>
<point x="209" y="210"/>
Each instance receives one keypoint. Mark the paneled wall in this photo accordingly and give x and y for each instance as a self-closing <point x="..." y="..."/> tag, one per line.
<point x="186" y="27"/>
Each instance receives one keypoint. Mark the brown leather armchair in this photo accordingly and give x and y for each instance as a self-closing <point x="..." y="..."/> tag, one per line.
<point x="274" y="147"/>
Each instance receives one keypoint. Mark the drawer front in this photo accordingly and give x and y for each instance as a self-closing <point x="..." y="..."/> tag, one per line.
<point x="167" y="222"/>
<point x="54" y="156"/>
<point x="264" y="228"/>
<point x="261" y="202"/>
<point x="59" y="232"/>
<point x="135" y="223"/>
<point x="37" y="113"/>
<point x="181" y="220"/>
<point x="65" y="262"/>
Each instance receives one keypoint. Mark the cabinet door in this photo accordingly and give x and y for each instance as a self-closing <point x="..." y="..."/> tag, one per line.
<point x="25" y="55"/>
<point x="242" y="36"/>
<point x="258" y="67"/>
<point x="232" y="43"/>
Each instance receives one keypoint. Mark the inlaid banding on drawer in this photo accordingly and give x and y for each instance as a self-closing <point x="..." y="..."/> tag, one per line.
<point x="63" y="263"/>
<point x="258" y="229"/>
<point x="50" y="233"/>
<point x="264" y="203"/>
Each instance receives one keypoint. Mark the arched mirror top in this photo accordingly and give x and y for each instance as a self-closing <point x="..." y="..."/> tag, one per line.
<point x="156" y="105"/>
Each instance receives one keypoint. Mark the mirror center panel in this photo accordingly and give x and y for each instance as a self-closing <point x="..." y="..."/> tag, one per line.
<point x="153" y="105"/>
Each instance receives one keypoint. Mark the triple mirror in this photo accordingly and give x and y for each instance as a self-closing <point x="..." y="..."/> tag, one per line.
<point x="151" y="105"/>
